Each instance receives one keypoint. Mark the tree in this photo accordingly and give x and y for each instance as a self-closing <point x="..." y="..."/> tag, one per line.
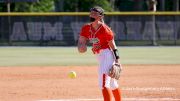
<point x="161" y="5"/>
<point x="176" y="5"/>
<point x="41" y="6"/>
<point x="81" y="5"/>
<point x="140" y="5"/>
<point x="3" y="7"/>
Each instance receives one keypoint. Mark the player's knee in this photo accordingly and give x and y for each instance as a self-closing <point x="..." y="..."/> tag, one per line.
<point x="106" y="82"/>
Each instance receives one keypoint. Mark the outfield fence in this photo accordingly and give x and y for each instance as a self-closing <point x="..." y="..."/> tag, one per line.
<point x="62" y="29"/>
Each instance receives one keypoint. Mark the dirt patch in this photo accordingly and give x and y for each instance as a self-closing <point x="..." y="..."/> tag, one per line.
<point x="43" y="83"/>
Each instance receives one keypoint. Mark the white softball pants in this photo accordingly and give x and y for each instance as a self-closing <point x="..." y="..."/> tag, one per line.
<point x="106" y="60"/>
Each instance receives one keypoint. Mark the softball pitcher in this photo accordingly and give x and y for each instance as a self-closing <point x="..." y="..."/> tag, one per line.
<point x="103" y="45"/>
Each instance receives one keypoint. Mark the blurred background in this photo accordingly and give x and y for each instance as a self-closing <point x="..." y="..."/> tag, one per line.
<point x="84" y="5"/>
<point x="58" y="22"/>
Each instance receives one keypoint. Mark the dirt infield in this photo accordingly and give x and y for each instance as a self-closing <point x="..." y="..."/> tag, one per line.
<point x="47" y="83"/>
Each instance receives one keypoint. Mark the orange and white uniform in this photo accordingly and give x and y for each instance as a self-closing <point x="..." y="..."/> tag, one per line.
<point x="99" y="39"/>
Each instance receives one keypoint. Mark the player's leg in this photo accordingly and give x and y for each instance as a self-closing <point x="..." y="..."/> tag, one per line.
<point x="104" y="84"/>
<point x="115" y="90"/>
<point x="106" y="91"/>
<point x="117" y="94"/>
<point x="107" y="96"/>
<point x="104" y="80"/>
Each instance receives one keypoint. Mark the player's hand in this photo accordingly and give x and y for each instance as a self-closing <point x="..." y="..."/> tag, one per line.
<point x="82" y="47"/>
<point x="117" y="62"/>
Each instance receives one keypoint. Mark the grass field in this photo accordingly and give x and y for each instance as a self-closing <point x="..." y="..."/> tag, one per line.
<point x="69" y="56"/>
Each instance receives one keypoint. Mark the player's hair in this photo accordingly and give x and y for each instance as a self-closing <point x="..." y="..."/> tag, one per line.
<point x="102" y="20"/>
<point x="99" y="10"/>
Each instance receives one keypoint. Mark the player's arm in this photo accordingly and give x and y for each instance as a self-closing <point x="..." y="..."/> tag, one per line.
<point x="82" y="44"/>
<point x="113" y="46"/>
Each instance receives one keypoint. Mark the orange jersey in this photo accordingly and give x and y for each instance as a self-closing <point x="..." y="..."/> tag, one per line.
<point x="99" y="38"/>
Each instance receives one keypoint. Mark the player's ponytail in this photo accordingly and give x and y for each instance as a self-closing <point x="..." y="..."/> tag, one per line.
<point x="102" y="20"/>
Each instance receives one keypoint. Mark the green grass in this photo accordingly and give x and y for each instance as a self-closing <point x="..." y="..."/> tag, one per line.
<point x="150" y="55"/>
<point x="69" y="56"/>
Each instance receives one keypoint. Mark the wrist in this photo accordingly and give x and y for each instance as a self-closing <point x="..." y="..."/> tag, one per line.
<point x="116" y="54"/>
<point x="116" y="60"/>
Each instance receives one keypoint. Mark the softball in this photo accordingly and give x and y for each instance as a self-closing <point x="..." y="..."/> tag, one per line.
<point x="72" y="74"/>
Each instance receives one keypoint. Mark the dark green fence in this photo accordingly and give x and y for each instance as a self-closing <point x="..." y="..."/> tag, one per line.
<point x="62" y="29"/>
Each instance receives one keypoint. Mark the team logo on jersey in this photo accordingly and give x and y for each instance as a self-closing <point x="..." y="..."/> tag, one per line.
<point x="94" y="40"/>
